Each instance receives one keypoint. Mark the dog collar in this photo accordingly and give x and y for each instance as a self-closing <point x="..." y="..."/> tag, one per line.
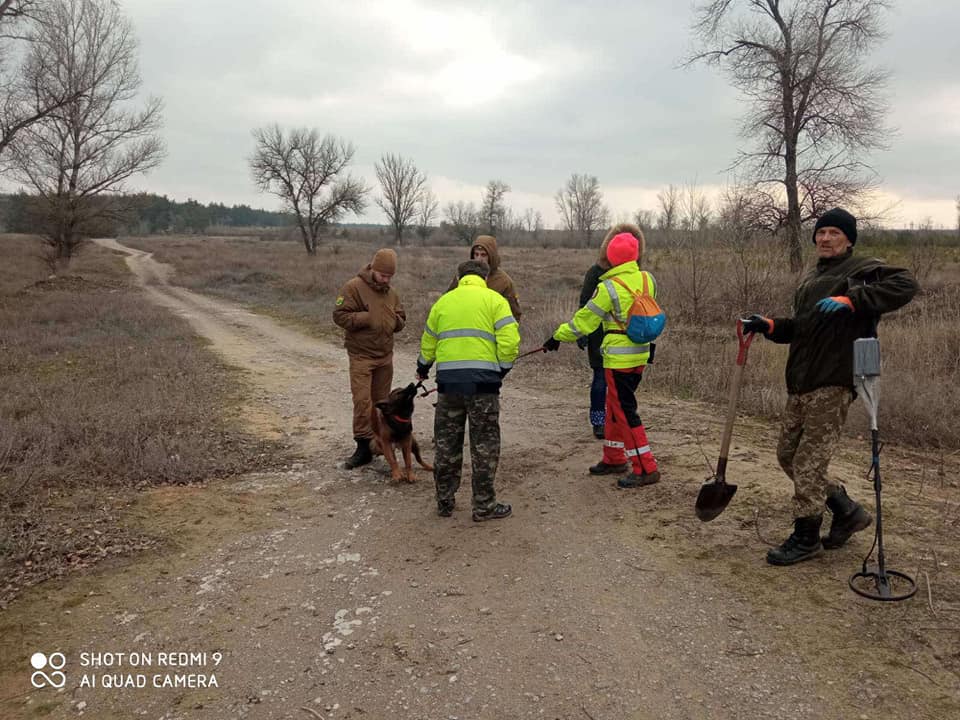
<point x="400" y="419"/>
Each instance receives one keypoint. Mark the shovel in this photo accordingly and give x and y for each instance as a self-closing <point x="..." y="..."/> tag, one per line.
<point x="716" y="495"/>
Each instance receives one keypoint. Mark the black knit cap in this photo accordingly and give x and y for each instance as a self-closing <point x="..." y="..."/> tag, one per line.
<point x="838" y="218"/>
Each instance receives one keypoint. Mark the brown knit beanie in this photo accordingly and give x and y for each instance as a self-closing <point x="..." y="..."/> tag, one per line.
<point x="384" y="261"/>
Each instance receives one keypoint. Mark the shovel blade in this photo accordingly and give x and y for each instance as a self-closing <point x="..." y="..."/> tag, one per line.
<point x="714" y="498"/>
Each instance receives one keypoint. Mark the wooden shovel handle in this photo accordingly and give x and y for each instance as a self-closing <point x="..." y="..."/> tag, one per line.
<point x="744" y="345"/>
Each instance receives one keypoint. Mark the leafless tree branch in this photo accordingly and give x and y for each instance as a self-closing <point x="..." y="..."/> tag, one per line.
<point x="813" y="108"/>
<point x="581" y="208"/>
<point x="403" y="186"/>
<point x="308" y="173"/>
<point x="87" y="147"/>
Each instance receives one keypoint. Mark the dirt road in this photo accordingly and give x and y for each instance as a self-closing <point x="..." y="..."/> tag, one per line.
<point x="319" y="592"/>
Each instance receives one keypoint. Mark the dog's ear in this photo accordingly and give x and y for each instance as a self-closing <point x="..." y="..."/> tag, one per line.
<point x="383" y="405"/>
<point x="411" y="388"/>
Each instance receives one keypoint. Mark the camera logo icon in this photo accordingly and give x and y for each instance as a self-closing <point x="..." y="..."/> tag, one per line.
<point x="56" y="662"/>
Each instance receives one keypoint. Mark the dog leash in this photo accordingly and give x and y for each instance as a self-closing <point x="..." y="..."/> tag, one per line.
<point x="426" y="392"/>
<point x="532" y="352"/>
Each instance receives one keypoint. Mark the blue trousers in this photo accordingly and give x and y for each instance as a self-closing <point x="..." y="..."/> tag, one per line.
<point x="598" y="398"/>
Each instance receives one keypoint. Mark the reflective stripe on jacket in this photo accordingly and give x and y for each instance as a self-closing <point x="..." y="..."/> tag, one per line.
<point x="471" y="335"/>
<point x="611" y="302"/>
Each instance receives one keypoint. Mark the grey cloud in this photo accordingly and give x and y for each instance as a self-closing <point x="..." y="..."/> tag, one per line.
<point x="612" y="100"/>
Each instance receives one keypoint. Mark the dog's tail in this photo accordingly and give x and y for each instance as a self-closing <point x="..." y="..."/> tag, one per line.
<point x="416" y="454"/>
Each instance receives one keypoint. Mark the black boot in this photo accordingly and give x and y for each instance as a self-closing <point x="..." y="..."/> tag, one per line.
<point x="497" y="512"/>
<point x="633" y="480"/>
<point x="361" y="456"/>
<point x="602" y="468"/>
<point x="848" y="517"/>
<point x="803" y="544"/>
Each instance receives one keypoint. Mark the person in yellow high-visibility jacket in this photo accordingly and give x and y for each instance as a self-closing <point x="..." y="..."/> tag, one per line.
<point x="473" y="337"/>
<point x="623" y="362"/>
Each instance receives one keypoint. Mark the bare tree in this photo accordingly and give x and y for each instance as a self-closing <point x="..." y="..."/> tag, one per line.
<point x="29" y="54"/>
<point x="90" y="147"/>
<point x="493" y="210"/>
<point x="693" y="276"/>
<point x="814" y="109"/>
<point x="532" y="222"/>
<point x="581" y="208"/>
<point x="463" y="219"/>
<point x="426" y="213"/>
<point x="402" y="185"/>
<point x="309" y="174"/>
<point x="645" y="219"/>
<point x="694" y="209"/>
<point x="752" y="261"/>
<point x="669" y="215"/>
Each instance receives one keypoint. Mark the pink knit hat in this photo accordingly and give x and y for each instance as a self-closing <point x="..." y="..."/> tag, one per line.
<point x="623" y="248"/>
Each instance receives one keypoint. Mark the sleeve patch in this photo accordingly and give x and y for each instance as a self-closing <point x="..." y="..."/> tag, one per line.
<point x="339" y="300"/>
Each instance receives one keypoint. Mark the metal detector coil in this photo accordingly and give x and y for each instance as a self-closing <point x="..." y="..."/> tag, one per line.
<point x="866" y="378"/>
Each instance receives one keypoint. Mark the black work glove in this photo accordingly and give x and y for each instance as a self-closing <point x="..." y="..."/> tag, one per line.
<point x="757" y="324"/>
<point x="422" y="372"/>
<point x="582" y="342"/>
<point x="551" y="345"/>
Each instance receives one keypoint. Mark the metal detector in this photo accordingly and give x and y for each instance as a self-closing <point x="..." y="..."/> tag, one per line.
<point x="866" y="378"/>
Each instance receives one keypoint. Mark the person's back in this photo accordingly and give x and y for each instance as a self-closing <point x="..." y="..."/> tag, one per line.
<point x="619" y="284"/>
<point x="465" y="320"/>
<point x="473" y="338"/>
<point x="623" y="360"/>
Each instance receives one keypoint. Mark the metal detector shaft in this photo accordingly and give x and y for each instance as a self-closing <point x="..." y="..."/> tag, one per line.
<point x="882" y="582"/>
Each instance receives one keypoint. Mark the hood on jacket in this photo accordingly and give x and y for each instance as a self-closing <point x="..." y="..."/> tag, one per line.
<point x="631" y="228"/>
<point x="366" y="274"/>
<point x="488" y="243"/>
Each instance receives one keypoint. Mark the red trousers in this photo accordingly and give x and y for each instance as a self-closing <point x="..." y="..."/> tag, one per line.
<point x="624" y="434"/>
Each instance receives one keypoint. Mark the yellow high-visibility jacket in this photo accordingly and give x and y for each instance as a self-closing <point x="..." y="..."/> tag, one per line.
<point x="472" y="336"/>
<point x="611" y="302"/>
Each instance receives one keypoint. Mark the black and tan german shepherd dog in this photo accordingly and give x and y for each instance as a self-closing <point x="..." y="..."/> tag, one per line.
<point x="393" y="427"/>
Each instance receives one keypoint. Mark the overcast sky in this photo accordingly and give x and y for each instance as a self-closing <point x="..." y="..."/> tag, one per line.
<point x="527" y="92"/>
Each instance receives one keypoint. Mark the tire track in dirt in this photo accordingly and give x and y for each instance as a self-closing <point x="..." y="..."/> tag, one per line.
<point x="345" y="594"/>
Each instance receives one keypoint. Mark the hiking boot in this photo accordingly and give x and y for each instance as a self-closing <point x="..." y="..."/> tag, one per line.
<point x="601" y="468"/>
<point x="598" y="432"/>
<point x="803" y="543"/>
<point x="633" y="480"/>
<point x="497" y="512"/>
<point x="848" y="517"/>
<point x="361" y="456"/>
<point x="445" y="508"/>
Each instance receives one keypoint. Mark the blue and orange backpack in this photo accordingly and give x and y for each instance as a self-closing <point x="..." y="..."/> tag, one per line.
<point x="645" y="319"/>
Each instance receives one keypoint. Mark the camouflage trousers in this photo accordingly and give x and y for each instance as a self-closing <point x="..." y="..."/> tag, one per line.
<point x="453" y="412"/>
<point x="811" y="427"/>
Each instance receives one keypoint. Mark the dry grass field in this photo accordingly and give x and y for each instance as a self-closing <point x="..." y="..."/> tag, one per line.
<point x="703" y="290"/>
<point x="100" y="393"/>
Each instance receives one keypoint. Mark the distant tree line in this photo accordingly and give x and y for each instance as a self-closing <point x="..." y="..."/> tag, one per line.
<point x="148" y="214"/>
